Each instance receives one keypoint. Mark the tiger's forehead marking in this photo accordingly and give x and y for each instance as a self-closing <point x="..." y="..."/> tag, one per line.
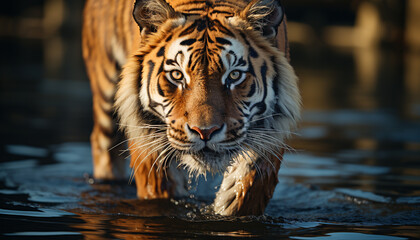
<point x="207" y="46"/>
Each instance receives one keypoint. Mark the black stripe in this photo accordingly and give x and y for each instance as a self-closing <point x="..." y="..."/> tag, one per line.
<point x="161" y="52"/>
<point x="192" y="65"/>
<point x="160" y="91"/>
<point x="241" y="62"/>
<point x="152" y="104"/>
<point x="189" y="29"/>
<point x="161" y="68"/>
<point x="101" y="92"/>
<point x="201" y="25"/>
<point x="234" y="55"/>
<point x="169" y="113"/>
<point x="251" y="68"/>
<point x="252" y="52"/>
<point x="168" y="38"/>
<point x="194" y="11"/>
<point x="261" y="105"/>
<point x="223" y="41"/>
<point x="221" y="12"/>
<point x="276" y="83"/>
<point x="221" y="28"/>
<point x="220" y="65"/>
<point x="171" y="62"/>
<point x="188" y="42"/>
<point x="252" y="90"/>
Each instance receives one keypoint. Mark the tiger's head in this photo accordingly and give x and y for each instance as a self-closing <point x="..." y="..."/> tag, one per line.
<point x="208" y="84"/>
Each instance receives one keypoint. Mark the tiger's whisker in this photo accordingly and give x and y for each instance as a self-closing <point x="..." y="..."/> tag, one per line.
<point x="155" y="146"/>
<point x="265" y="117"/>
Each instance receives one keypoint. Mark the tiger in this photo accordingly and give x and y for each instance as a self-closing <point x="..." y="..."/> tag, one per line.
<point x="192" y="87"/>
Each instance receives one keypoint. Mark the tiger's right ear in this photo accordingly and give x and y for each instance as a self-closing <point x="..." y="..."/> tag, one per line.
<point x="265" y="16"/>
<point x="150" y="14"/>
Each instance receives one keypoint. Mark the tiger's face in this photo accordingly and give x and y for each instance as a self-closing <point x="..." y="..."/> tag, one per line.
<point x="213" y="89"/>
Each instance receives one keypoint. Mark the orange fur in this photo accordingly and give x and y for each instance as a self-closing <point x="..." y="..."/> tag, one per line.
<point x="151" y="184"/>
<point x="257" y="187"/>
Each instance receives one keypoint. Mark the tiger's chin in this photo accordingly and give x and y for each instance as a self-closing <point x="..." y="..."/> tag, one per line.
<point x="206" y="160"/>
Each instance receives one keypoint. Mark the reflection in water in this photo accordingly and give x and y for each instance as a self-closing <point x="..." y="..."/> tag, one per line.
<point x="354" y="174"/>
<point x="349" y="235"/>
<point x="316" y="195"/>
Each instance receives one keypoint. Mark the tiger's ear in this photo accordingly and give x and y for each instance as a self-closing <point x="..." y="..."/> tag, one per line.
<point x="264" y="15"/>
<point x="150" y="14"/>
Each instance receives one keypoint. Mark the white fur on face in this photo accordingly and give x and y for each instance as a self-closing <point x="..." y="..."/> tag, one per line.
<point x="231" y="60"/>
<point x="181" y="56"/>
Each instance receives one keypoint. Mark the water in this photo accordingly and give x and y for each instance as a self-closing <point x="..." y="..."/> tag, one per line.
<point x="355" y="173"/>
<point x="48" y="193"/>
<point x="365" y="192"/>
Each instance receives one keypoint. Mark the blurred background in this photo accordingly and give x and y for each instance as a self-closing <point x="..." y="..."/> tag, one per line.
<point x="44" y="89"/>
<point x="347" y="53"/>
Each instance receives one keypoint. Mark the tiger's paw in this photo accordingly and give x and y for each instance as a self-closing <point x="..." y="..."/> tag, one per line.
<point x="247" y="187"/>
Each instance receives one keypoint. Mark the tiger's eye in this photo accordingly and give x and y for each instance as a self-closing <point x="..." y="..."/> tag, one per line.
<point x="235" y="75"/>
<point x="176" y="75"/>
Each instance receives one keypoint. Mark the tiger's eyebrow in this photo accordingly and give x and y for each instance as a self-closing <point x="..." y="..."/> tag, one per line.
<point x="236" y="61"/>
<point x="171" y="62"/>
<point x="179" y="58"/>
<point x="229" y="56"/>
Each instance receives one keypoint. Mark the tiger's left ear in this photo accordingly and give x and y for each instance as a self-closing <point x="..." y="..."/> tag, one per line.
<point x="264" y="15"/>
<point x="150" y="14"/>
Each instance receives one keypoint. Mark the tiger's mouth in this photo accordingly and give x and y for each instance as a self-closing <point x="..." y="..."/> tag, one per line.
<point x="200" y="156"/>
<point x="206" y="160"/>
<point x="207" y="150"/>
<point x="206" y="153"/>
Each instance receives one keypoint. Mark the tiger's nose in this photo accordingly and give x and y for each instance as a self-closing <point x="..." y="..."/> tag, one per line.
<point x="205" y="134"/>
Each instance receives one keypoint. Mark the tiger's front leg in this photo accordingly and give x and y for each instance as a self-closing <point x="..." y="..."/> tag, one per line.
<point x="247" y="188"/>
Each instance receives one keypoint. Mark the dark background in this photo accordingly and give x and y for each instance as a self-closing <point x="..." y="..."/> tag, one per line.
<point x="336" y="46"/>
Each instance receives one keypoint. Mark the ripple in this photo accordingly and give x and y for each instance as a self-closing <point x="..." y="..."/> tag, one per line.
<point x="42" y="212"/>
<point x="23" y="150"/>
<point x="364" y="195"/>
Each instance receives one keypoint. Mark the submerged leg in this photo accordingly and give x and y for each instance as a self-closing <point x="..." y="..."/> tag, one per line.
<point x="246" y="189"/>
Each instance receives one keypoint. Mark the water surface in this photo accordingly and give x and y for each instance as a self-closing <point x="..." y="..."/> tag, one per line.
<point x="348" y="193"/>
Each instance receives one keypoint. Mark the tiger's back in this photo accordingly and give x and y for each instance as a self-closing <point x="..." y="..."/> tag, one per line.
<point x="122" y="35"/>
